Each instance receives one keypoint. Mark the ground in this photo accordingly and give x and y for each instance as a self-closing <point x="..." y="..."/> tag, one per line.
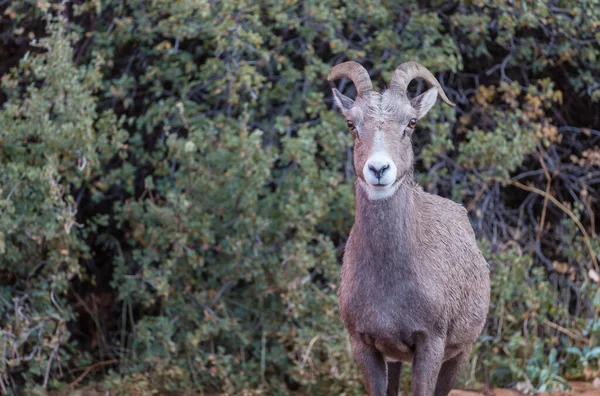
<point x="579" y="389"/>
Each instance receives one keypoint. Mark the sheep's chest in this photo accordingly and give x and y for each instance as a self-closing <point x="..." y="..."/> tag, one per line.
<point x="386" y="304"/>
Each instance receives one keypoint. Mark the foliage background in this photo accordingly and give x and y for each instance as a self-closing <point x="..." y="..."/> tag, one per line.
<point x="176" y="189"/>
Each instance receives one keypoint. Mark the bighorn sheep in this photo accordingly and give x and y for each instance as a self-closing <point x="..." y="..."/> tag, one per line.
<point x="414" y="285"/>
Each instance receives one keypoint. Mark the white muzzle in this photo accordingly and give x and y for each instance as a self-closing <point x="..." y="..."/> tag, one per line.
<point x="379" y="170"/>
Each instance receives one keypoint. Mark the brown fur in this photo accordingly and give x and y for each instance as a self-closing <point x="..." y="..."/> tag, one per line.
<point x="414" y="285"/>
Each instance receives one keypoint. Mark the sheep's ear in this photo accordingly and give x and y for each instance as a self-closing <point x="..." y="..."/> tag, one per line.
<point x="343" y="102"/>
<point x="424" y="102"/>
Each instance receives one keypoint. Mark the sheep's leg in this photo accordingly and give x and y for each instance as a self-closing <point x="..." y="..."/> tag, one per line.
<point x="427" y="361"/>
<point x="450" y="372"/>
<point x="394" y="371"/>
<point x="371" y="365"/>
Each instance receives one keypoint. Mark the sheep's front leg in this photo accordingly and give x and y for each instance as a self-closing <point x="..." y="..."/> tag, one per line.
<point x="371" y="365"/>
<point x="450" y="372"/>
<point x="427" y="361"/>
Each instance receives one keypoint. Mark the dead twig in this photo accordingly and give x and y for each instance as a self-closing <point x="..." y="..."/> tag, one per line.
<point x="562" y="207"/>
<point x="567" y="332"/>
<point x="90" y="368"/>
<point x="308" y="349"/>
<point x="548" y="183"/>
<point x="473" y="202"/>
<point x="52" y="355"/>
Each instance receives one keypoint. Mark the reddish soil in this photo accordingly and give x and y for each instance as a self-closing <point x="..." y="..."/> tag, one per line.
<point x="579" y="389"/>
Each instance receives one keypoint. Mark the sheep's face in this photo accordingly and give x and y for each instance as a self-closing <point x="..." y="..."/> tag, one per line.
<point x="382" y="126"/>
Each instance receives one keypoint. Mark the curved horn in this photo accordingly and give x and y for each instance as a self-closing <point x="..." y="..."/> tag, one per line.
<point x="408" y="71"/>
<point x="355" y="72"/>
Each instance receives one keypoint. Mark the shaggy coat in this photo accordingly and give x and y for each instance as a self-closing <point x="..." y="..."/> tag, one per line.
<point x="414" y="285"/>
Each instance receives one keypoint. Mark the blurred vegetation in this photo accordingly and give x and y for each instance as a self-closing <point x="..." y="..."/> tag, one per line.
<point x="176" y="189"/>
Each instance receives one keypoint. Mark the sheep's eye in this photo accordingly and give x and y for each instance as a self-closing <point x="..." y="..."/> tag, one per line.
<point x="412" y="123"/>
<point x="352" y="128"/>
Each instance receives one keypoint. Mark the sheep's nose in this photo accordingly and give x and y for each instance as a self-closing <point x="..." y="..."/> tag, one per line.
<point x="378" y="170"/>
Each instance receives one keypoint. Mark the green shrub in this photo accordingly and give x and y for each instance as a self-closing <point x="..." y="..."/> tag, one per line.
<point x="176" y="189"/>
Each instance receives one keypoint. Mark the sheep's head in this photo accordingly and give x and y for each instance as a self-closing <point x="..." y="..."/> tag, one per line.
<point x="382" y="123"/>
